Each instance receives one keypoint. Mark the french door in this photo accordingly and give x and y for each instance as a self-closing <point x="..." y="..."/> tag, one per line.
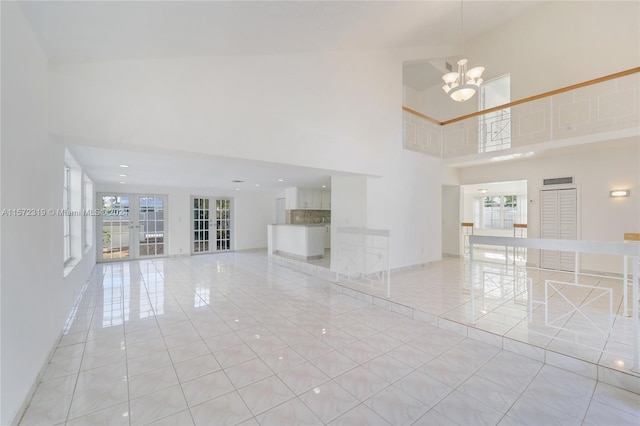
<point x="132" y="226"/>
<point x="212" y="225"/>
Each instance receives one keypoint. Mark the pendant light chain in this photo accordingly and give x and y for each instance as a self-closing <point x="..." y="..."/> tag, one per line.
<point x="463" y="84"/>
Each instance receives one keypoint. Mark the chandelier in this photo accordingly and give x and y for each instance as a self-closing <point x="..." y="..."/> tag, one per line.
<point x="463" y="84"/>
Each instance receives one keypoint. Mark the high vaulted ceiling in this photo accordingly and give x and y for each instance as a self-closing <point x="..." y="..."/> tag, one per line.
<point x="94" y="31"/>
<point x="80" y="31"/>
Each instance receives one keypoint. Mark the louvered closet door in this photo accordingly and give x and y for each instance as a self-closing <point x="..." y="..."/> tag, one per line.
<point x="549" y="227"/>
<point x="558" y="220"/>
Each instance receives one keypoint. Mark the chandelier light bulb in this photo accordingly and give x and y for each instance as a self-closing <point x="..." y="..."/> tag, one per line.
<point x="462" y="85"/>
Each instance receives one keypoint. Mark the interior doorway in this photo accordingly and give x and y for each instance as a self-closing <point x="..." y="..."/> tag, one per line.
<point x="493" y="209"/>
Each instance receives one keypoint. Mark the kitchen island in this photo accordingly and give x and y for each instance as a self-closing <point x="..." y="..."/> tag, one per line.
<point x="298" y="241"/>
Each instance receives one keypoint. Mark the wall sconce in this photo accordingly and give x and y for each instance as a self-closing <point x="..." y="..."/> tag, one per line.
<point x="619" y="193"/>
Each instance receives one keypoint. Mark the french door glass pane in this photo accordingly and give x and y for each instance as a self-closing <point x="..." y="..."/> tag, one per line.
<point x="133" y="226"/>
<point x="223" y="225"/>
<point x="116" y="224"/>
<point x="211" y="228"/>
<point x="151" y="225"/>
<point x="200" y="225"/>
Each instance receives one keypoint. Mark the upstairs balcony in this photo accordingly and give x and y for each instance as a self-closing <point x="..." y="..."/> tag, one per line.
<point x="599" y="110"/>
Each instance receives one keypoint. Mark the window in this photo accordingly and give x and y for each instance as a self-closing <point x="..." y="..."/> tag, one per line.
<point x="88" y="216"/>
<point x="495" y="128"/>
<point x="71" y="214"/>
<point x="499" y="211"/>
<point x="66" y="205"/>
<point x="509" y="210"/>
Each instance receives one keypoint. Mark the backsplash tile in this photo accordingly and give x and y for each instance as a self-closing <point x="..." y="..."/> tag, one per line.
<point x="300" y="217"/>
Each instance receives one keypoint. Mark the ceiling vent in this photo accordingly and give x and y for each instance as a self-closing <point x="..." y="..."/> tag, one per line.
<point x="558" y="181"/>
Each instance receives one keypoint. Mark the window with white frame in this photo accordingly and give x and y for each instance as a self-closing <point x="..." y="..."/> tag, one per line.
<point x="72" y="214"/>
<point x="494" y="131"/>
<point x="499" y="211"/>
<point x="66" y="205"/>
<point x="88" y="217"/>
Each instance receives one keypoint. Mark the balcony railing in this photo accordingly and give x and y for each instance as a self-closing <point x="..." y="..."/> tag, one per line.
<point x="597" y="110"/>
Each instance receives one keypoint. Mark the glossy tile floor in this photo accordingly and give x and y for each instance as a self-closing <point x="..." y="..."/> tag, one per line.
<point x="238" y="338"/>
<point x="582" y="327"/>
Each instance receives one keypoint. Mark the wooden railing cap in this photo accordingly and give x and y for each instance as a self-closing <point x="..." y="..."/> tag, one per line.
<point x="525" y="100"/>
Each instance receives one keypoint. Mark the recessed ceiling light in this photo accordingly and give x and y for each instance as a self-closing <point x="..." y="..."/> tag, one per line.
<point x="123" y="165"/>
<point x="257" y="184"/>
<point x="280" y="180"/>
<point x="324" y="186"/>
<point x="237" y="189"/>
<point x="123" y="182"/>
<point x="123" y="175"/>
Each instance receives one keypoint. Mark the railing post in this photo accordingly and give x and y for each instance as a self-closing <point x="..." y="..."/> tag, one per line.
<point x="388" y="268"/>
<point x="471" y="280"/>
<point x="636" y="346"/>
<point x="625" y="283"/>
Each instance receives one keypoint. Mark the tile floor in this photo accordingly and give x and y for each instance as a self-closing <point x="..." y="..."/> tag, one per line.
<point x="239" y="338"/>
<point x="581" y="327"/>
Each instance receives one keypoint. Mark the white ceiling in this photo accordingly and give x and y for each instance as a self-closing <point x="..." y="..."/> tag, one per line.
<point x="80" y="31"/>
<point x="194" y="171"/>
<point x="86" y="31"/>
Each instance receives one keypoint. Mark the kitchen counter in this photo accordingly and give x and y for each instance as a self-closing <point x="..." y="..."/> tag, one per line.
<point x="301" y="224"/>
<point x="305" y="241"/>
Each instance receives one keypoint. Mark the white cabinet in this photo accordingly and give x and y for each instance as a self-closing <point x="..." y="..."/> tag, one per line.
<point x="327" y="236"/>
<point x="291" y="198"/>
<point x="302" y="241"/>
<point x="316" y="199"/>
<point x="325" y="200"/>
<point x="307" y="199"/>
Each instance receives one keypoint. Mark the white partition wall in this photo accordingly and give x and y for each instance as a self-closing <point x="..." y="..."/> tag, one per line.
<point x="364" y="254"/>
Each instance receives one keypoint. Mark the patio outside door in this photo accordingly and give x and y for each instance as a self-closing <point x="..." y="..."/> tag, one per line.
<point x="132" y="226"/>
<point x="211" y="219"/>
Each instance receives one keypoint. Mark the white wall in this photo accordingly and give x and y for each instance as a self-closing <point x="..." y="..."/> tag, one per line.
<point x="451" y="220"/>
<point x="561" y="43"/>
<point x="321" y="109"/>
<point x="406" y="200"/>
<point x="348" y="209"/>
<point x="36" y="300"/>
<point x="597" y="170"/>
<point x="253" y="211"/>
<point x="349" y="201"/>
<point x="554" y="45"/>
